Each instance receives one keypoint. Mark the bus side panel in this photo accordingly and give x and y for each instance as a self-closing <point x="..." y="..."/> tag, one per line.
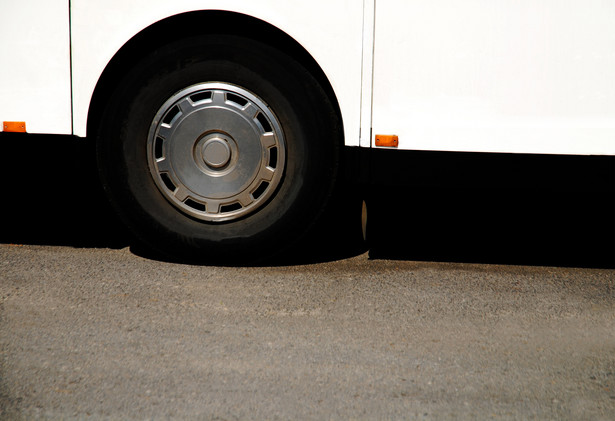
<point x="496" y="76"/>
<point x="35" y="65"/>
<point x="101" y="27"/>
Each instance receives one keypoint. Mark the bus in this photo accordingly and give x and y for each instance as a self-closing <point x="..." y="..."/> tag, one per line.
<point x="221" y="127"/>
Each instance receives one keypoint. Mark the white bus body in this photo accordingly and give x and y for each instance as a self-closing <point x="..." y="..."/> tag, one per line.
<point x="508" y="76"/>
<point x="474" y="75"/>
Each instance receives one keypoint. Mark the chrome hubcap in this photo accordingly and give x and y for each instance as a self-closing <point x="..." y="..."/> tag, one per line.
<point x="216" y="151"/>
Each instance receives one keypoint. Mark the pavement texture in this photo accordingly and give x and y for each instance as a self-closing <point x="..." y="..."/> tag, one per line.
<point x="101" y="333"/>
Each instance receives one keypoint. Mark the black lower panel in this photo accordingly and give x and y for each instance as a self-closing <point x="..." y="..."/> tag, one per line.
<point x="494" y="208"/>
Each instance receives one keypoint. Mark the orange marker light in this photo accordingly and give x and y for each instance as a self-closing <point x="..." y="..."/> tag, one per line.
<point x="14" y="126"/>
<point x="389" y="140"/>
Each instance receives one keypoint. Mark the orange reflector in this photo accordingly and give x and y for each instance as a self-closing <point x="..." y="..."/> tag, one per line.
<point x="14" y="126"/>
<point x="389" y="140"/>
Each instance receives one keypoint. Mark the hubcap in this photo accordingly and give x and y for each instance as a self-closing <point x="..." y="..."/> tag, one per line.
<point x="216" y="151"/>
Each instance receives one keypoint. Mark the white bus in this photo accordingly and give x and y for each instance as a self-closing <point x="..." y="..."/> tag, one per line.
<point x="220" y="125"/>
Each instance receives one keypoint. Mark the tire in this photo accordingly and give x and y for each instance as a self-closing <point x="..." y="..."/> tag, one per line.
<point x="218" y="149"/>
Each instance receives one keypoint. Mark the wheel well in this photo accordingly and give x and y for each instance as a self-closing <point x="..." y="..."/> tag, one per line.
<point x="190" y="24"/>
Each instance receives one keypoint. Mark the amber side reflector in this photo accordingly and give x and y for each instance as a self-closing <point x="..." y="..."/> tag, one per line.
<point x="14" y="126"/>
<point x="389" y="140"/>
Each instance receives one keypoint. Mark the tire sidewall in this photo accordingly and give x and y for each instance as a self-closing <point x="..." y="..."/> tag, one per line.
<point x="290" y="92"/>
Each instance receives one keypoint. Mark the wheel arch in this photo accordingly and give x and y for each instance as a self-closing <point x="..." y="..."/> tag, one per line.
<point x="189" y="24"/>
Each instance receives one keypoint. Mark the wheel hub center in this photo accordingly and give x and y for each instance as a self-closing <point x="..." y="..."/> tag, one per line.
<point x="216" y="152"/>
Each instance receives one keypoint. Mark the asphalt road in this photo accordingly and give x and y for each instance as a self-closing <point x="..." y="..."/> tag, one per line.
<point x="472" y="303"/>
<point x="103" y="333"/>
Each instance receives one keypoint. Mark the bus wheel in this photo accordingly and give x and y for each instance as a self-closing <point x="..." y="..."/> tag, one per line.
<point x="218" y="149"/>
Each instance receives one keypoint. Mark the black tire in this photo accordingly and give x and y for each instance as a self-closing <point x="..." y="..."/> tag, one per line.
<point x="287" y="97"/>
